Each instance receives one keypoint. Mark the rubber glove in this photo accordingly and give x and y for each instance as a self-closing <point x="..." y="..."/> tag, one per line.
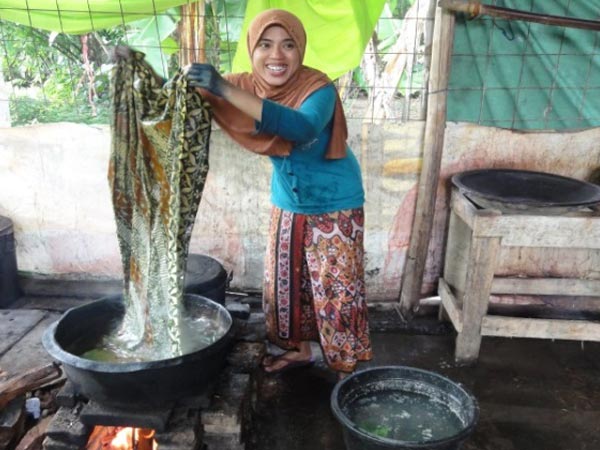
<point x="205" y="76"/>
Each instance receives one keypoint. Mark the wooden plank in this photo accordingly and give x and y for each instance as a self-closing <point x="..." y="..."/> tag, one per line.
<point x="480" y="273"/>
<point x="548" y="262"/>
<point x="466" y="209"/>
<point x="433" y="144"/>
<point x="35" y="436"/>
<point x="541" y="231"/>
<point x="578" y="330"/>
<point x="458" y="252"/>
<point x="29" y="351"/>
<point x="575" y="230"/>
<point x="14" y="324"/>
<point x="450" y="305"/>
<point x="546" y="286"/>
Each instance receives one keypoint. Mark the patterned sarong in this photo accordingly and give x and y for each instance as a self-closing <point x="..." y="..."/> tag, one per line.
<point x="314" y="285"/>
<point x="158" y="166"/>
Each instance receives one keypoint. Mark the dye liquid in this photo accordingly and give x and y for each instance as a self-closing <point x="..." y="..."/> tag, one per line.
<point x="403" y="415"/>
<point x="197" y="332"/>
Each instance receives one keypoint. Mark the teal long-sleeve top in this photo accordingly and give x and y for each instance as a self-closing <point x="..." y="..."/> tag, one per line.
<point x="306" y="182"/>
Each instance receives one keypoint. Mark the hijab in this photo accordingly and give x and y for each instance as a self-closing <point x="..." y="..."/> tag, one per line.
<point x="241" y="127"/>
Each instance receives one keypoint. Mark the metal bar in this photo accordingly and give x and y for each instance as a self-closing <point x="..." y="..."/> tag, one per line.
<point x="474" y="9"/>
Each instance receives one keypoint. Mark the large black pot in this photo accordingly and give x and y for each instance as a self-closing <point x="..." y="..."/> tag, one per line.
<point x="524" y="191"/>
<point x="134" y="384"/>
<point x="205" y="276"/>
<point x="9" y="283"/>
<point x="400" y="380"/>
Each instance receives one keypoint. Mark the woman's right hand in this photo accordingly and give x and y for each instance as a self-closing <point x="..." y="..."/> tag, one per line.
<point x="205" y="76"/>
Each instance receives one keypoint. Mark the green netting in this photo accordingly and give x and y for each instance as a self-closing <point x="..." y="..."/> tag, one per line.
<point x="515" y="74"/>
<point x="510" y="74"/>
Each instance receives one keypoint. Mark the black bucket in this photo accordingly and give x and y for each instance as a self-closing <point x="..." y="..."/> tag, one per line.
<point x="399" y="381"/>
<point x="9" y="282"/>
<point x="134" y="384"/>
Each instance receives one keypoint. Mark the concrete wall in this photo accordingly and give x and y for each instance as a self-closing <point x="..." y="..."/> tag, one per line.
<point x="53" y="186"/>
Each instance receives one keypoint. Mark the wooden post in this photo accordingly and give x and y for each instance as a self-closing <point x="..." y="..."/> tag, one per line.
<point x="480" y="274"/>
<point x="433" y="143"/>
<point x="192" y="40"/>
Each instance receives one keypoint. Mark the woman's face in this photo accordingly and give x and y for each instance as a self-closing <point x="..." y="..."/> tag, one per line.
<point x="276" y="56"/>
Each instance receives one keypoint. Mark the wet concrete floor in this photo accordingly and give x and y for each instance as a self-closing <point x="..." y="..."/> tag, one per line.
<point x="533" y="394"/>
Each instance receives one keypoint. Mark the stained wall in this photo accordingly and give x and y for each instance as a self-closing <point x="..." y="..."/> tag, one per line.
<point x="53" y="186"/>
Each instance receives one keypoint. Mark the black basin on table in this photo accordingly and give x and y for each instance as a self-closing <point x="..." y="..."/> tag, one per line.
<point x="134" y="384"/>
<point x="523" y="191"/>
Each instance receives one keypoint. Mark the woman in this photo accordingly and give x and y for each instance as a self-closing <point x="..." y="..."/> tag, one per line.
<point x="314" y="273"/>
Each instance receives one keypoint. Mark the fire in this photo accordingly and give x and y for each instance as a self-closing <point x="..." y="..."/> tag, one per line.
<point x="121" y="438"/>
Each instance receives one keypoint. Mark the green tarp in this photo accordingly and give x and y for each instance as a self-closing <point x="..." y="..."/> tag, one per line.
<point x="81" y="16"/>
<point x="338" y="30"/>
<point x="516" y="74"/>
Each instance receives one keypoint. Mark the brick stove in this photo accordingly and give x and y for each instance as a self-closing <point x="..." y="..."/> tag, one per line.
<point x="218" y="419"/>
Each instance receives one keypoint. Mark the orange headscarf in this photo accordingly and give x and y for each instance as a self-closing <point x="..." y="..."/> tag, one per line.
<point x="303" y="82"/>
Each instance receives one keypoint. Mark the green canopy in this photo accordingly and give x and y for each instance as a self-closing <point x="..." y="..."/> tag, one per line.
<point x="81" y="16"/>
<point x="338" y="31"/>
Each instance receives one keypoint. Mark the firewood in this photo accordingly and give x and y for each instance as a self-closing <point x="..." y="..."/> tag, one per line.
<point x="28" y="381"/>
<point x="34" y="437"/>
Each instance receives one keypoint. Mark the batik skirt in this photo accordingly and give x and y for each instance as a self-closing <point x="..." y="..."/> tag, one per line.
<point x="314" y="287"/>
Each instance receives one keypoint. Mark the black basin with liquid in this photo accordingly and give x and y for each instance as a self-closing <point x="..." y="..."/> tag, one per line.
<point x="134" y="384"/>
<point x="524" y="191"/>
<point x="400" y="382"/>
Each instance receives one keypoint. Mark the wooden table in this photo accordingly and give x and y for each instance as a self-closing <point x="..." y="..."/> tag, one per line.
<point x="479" y="238"/>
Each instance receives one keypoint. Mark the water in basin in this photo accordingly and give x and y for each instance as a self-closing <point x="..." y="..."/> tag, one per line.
<point x="404" y="415"/>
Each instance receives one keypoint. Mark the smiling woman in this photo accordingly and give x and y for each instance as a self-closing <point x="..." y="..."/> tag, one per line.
<point x="314" y="270"/>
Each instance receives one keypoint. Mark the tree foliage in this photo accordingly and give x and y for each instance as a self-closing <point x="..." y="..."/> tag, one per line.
<point x="49" y="79"/>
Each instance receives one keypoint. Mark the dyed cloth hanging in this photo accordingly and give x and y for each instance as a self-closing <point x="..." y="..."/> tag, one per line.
<point x="158" y="166"/>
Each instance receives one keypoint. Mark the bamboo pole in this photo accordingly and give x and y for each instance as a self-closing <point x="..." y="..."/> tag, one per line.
<point x="474" y="9"/>
<point x="433" y="143"/>
<point x="192" y="40"/>
<point x="200" y="32"/>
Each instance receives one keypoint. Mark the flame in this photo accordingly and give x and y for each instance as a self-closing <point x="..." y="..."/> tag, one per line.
<point x="122" y="438"/>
